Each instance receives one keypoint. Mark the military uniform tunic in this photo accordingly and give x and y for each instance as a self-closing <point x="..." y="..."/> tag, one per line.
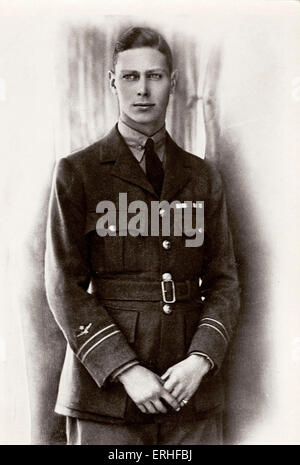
<point x="106" y="293"/>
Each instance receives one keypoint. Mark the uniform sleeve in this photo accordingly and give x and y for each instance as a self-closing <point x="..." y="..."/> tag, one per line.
<point x="90" y="331"/>
<point x="220" y="286"/>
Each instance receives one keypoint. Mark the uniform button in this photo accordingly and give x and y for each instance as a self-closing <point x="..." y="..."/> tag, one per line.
<point x="112" y="228"/>
<point x="162" y="211"/>
<point x="167" y="309"/>
<point x="167" y="277"/>
<point x="166" y="245"/>
<point x="140" y="147"/>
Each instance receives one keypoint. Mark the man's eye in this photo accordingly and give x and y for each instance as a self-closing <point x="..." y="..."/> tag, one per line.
<point x="155" y="76"/>
<point x="130" y="77"/>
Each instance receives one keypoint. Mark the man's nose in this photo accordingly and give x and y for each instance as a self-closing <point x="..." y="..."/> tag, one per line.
<point x="143" y="89"/>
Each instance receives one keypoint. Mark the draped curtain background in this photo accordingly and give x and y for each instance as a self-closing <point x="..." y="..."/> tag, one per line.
<point x="234" y="106"/>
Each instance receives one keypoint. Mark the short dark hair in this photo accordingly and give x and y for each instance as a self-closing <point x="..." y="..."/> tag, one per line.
<point x="137" y="37"/>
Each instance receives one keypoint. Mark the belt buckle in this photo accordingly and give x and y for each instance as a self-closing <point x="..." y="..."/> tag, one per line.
<point x="164" y="291"/>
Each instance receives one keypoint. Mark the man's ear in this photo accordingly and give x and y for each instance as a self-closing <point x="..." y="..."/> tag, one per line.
<point x="174" y="77"/>
<point x="112" y="81"/>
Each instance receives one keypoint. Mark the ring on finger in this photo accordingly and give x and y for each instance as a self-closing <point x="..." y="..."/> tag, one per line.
<point x="183" y="402"/>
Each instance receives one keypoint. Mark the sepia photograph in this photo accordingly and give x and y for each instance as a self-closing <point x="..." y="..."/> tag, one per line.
<point x="150" y="203"/>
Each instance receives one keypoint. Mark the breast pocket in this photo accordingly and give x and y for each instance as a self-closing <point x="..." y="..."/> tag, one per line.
<point x="105" y="251"/>
<point x="140" y="254"/>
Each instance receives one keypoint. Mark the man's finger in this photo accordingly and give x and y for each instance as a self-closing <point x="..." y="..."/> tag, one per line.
<point x="150" y="407"/>
<point x="165" y="375"/>
<point x="183" y="396"/>
<point x="170" y="400"/>
<point x="170" y="384"/>
<point x="160" y="406"/>
<point x="183" y="400"/>
<point x="177" y="392"/>
<point x="142" y="408"/>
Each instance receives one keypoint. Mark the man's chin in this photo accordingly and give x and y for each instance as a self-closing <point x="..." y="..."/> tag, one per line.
<point x="141" y="121"/>
<point x="144" y="118"/>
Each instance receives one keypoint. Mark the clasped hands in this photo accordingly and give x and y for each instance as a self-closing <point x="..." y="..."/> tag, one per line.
<point x="175" y="387"/>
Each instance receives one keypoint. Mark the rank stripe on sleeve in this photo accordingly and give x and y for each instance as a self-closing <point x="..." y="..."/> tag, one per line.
<point x="219" y="323"/>
<point x="93" y="337"/>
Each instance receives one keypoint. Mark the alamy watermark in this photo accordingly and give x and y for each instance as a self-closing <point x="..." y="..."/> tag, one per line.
<point x="186" y="219"/>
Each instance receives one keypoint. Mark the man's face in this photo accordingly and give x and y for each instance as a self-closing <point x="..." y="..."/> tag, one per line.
<point x="142" y="83"/>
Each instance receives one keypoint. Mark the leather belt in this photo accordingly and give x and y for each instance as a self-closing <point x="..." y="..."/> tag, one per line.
<point x="155" y="291"/>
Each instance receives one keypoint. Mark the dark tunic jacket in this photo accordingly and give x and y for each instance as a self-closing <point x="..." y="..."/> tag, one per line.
<point x="105" y="292"/>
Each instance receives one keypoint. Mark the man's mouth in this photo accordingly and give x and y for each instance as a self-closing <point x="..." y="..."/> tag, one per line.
<point x="143" y="105"/>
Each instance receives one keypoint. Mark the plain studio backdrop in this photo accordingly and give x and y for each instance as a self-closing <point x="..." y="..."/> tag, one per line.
<point x="237" y="103"/>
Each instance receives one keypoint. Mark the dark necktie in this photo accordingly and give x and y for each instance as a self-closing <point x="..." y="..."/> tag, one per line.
<point x="154" y="169"/>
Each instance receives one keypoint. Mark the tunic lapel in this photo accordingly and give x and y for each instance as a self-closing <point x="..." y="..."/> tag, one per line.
<point x="176" y="173"/>
<point x="126" y="167"/>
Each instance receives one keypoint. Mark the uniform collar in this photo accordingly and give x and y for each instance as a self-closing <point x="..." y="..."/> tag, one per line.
<point x="112" y="148"/>
<point x="137" y="140"/>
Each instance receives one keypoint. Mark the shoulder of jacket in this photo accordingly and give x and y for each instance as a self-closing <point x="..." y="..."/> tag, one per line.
<point x="86" y="156"/>
<point x="78" y="156"/>
<point x="201" y="167"/>
<point x="196" y="163"/>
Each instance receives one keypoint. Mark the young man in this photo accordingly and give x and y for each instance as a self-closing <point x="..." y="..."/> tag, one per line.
<point x="145" y="341"/>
